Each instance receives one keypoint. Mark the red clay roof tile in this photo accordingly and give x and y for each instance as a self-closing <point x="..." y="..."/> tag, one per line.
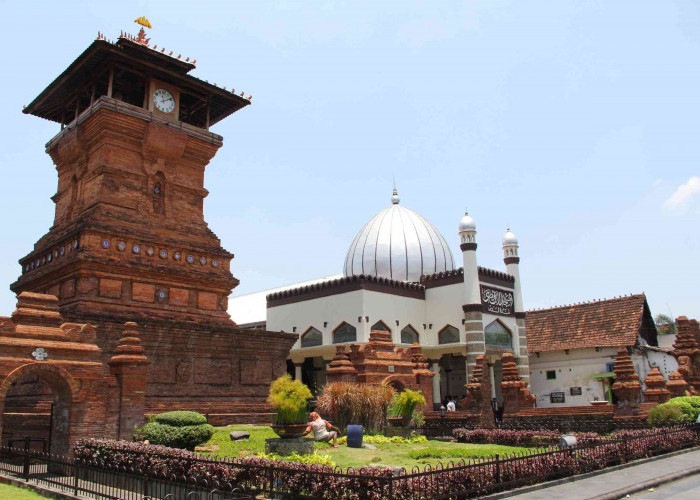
<point x="606" y="323"/>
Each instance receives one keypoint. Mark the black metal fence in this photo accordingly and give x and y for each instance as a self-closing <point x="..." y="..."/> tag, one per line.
<point x="119" y="483"/>
<point x="463" y="479"/>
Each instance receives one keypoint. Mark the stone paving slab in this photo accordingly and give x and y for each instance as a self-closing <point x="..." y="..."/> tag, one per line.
<point x="614" y="483"/>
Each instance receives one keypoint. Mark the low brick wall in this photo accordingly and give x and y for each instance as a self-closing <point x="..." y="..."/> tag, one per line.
<point x="600" y="419"/>
<point x="436" y="426"/>
<point x="570" y="419"/>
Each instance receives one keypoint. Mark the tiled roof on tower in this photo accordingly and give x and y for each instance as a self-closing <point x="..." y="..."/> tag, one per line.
<point x="95" y="72"/>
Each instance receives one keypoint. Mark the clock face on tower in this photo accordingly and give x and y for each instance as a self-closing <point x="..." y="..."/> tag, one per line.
<point x="163" y="100"/>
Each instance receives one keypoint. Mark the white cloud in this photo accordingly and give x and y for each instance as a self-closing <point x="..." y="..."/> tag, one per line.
<point x="684" y="193"/>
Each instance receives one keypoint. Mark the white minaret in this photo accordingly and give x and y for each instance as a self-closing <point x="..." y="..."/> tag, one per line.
<point x="512" y="261"/>
<point x="467" y="237"/>
<point x="473" y="323"/>
<point x="510" y="257"/>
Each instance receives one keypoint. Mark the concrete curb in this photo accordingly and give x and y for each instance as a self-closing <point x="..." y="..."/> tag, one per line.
<point x="570" y="479"/>
<point x="39" y="490"/>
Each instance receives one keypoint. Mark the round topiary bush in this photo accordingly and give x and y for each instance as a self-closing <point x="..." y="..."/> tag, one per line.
<point x="177" y="429"/>
<point x="666" y="414"/>
<point x="180" y="418"/>
<point x="690" y="405"/>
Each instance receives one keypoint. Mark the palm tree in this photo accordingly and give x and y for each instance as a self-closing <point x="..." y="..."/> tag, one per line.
<point x="665" y="324"/>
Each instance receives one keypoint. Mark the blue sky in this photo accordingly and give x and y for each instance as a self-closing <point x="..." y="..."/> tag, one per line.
<point x="577" y="123"/>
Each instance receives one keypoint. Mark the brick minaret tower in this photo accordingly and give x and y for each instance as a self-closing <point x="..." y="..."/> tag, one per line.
<point x="129" y="240"/>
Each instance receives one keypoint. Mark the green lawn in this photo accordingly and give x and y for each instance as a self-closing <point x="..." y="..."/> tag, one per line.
<point x="8" y="492"/>
<point x="390" y="454"/>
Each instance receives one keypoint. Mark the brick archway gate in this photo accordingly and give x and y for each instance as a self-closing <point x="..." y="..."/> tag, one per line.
<point x="62" y="388"/>
<point x="61" y="361"/>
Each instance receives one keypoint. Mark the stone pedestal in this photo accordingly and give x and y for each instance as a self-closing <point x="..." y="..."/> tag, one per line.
<point x="405" y="432"/>
<point x="284" y="447"/>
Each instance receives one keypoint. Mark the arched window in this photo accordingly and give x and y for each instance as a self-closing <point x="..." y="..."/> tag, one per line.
<point x="409" y="335"/>
<point x="448" y="335"/>
<point x="497" y="335"/>
<point x="380" y="326"/>
<point x="344" y="333"/>
<point x="311" y="338"/>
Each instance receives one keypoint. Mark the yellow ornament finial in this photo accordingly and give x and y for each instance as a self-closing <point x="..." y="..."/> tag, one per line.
<point x="143" y="22"/>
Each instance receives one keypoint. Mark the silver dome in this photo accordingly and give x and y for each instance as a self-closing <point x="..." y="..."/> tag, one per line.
<point x="399" y="244"/>
<point x="509" y="239"/>
<point x="467" y="223"/>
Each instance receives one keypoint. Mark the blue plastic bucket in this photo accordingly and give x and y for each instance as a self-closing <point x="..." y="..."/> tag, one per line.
<point x="354" y="436"/>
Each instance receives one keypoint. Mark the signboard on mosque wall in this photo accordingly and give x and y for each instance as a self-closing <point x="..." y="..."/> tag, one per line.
<point x="497" y="301"/>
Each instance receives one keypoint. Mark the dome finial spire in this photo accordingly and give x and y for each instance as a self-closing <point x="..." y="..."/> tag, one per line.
<point x="395" y="196"/>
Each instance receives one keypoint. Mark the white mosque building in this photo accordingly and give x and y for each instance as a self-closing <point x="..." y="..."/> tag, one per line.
<point x="400" y="277"/>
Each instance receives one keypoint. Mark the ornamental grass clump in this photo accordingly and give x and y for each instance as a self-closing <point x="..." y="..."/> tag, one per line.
<point x="176" y="429"/>
<point x="289" y="399"/>
<point x="345" y="403"/>
<point x="405" y="403"/>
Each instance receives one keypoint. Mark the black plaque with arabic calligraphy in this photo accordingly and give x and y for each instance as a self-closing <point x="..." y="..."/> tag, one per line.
<point x="497" y="301"/>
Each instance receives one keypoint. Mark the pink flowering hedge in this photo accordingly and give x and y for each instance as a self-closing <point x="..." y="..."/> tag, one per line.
<point x="176" y="464"/>
<point x="464" y="479"/>
<point x="542" y="437"/>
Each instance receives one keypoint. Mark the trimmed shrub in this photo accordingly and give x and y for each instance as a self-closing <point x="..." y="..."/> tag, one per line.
<point x="690" y="405"/>
<point x="666" y="414"/>
<point x="177" y="429"/>
<point x="288" y="397"/>
<point x="343" y="403"/>
<point x="542" y="437"/>
<point x="507" y="437"/>
<point x="379" y="439"/>
<point x="180" y="418"/>
<point x="314" y="458"/>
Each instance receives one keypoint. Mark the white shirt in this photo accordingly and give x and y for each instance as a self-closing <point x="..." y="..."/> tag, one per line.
<point x="451" y="406"/>
<point x="319" y="428"/>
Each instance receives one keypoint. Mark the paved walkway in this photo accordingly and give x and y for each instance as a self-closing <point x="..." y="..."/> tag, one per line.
<point x="677" y="490"/>
<point x="617" y="483"/>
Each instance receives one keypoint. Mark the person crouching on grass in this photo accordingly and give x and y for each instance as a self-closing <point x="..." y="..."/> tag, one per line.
<point x="323" y="430"/>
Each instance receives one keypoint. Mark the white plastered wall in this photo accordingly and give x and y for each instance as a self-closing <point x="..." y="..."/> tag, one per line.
<point x="391" y="308"/>
<point x="575" y="369"/>
<point x="443" y="306"/>
<point x="331" y="310"/>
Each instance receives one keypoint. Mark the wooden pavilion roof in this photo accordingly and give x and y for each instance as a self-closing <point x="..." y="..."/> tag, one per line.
<point x="138" y="57"/>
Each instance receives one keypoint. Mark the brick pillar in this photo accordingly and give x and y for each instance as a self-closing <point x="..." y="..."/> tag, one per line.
<point x="424" y="377"/>
<point x="341" y="369"/>
<point x="478" y="398"/>
<point x="514" y="389"/>
<point x="686" y="350"/>
<point x="656" y="391"/>
<point x="626" y="387"/>
<point x="129" y="365"/>
<point x="676" y="385"/>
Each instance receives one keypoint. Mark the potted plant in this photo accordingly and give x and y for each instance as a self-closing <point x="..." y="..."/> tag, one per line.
<point x="403" y="406"/>
<point x="289" y="399"/>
